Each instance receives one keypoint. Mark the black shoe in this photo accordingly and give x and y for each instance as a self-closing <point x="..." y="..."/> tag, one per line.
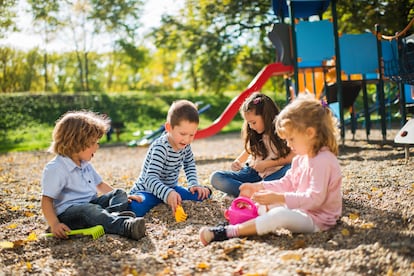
<point x="135" y="228"/>
<point x="223" y="223"/>
<point x="210" y="234"/>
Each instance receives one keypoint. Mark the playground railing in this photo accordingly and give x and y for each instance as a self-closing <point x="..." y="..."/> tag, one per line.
<point x="405" y="60"/>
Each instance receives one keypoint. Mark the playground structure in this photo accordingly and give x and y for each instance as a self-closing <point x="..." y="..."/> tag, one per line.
<point x="273" y="69"/>
<point x="406" y="137"/>
<point x="314" y="58"/>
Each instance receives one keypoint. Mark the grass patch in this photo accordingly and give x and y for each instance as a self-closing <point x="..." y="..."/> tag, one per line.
<point x="39" y="137"/>
<point x="29" y="129"/>
<point x="29" y="138"/>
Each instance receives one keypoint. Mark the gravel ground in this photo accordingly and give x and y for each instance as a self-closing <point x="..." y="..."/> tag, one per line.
<point x="375" y="235"/>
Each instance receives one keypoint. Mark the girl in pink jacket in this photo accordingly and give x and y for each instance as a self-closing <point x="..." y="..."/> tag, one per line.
<point x="308" y="198"/>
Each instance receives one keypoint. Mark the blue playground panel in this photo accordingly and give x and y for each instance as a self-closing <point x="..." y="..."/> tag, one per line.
<point x="358" y="53"/>
<point x="409" y="94"/>
<point x="301" y="8"/>
<point x="390" y="57"/>
<point x="315" y="42"/>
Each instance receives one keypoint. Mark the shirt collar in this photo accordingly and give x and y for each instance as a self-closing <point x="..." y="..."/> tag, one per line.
<point x="70" y="164"/>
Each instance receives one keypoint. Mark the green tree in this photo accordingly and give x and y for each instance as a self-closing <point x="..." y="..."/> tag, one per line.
<point x="45" y="17"/>
<point x="116" y="20"/>
<point x="161" y="72"/>
<point x="210" y="36"/>
<point x="136" y="57"/>
<point x="7" y="16"/>
<point x="10" y="67"/>
<point x="64" y="71"/>
<point x="358" y="16"/>
<point x="210" y="45"/>
<point x="31" y="70"/>
<point x="19" y="70"/>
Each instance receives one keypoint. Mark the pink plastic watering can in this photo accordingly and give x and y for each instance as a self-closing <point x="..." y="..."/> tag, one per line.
<point x="241" y="210"/>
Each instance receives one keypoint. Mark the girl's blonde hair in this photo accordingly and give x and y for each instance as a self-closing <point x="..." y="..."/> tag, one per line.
<point x="77" y="130"/>
<point x="304" y="112"/>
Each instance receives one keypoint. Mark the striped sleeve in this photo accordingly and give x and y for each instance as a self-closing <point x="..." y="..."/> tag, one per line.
<point x="155" y="170"/>
<point x="161" y="169"/>
<point x="190" y="167"/>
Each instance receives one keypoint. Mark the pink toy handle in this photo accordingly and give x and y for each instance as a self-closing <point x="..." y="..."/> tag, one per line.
<point x="247" y="200"/>
<point x="226" y="214"/>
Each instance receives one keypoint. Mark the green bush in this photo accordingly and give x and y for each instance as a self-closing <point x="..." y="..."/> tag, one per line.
<point x="27" y="120"/>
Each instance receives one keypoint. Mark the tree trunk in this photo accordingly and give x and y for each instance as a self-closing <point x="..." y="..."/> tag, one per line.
<point x="85" y="55"/>
<point x="45" y="61"/>
<point x="80" y="67"/>
<point x="194" y="77"/>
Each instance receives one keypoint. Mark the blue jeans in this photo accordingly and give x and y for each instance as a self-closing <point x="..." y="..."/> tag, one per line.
<point x="98" y="212"/>
<point x="149" y="200"/>
<point x="230" y="181"/>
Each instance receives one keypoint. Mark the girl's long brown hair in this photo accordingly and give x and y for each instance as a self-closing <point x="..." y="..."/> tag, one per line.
<point x="265" y="107"/>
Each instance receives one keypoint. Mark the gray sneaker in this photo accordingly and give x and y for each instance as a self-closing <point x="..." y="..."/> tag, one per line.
<point x="135" y="228"/>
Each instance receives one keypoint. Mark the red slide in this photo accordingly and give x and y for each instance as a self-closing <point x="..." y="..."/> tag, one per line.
<point x="273" y="69"/>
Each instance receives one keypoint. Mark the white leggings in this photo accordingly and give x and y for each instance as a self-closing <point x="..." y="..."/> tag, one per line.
<point x="281" y="217"/>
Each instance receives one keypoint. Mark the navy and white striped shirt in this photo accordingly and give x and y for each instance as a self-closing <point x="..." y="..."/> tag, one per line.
<point x="161" y="169"/>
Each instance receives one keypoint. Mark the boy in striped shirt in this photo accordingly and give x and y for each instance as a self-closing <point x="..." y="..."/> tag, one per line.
<point x="158" y="180"/>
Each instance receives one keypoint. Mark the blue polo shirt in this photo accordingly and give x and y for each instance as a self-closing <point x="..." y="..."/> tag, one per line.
<point x="69" y="184"/>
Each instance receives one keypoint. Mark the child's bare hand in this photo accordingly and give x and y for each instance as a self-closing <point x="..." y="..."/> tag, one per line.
<point x="137" y="198"/>
<point x="236" y="165"/>
<point x="203" y="192"/>
<point x="266" y="197"/>
<point x="174" y="199"/>
<point x="248" y="189"/>
<point x="59" y="230"/>
<point x="259" y="166"/>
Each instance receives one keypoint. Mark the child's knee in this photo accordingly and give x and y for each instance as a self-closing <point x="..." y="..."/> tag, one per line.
<point x="214" y="179"/>
<point x="138" y="208"/>
<point x="120" y="192"/>
<point x="143" y="207"/>
<point x="218" y="180"/>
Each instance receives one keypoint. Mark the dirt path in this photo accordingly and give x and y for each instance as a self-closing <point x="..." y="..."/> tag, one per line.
<point x="375" y="235"/>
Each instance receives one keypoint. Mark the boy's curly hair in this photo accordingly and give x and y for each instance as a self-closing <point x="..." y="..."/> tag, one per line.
<point x="77" y="130"/>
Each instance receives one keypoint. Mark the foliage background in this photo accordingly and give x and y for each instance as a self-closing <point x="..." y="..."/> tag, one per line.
<point x="209" y="46"/>
<point x="209" y="51"/>
<point x="27" y="120"/>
